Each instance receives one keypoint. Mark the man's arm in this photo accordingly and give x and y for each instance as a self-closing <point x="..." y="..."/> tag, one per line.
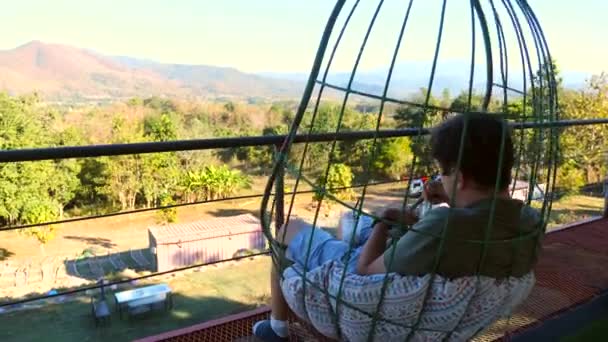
<point x="371" y="260"/>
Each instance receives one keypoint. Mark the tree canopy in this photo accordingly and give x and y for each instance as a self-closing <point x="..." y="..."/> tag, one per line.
<point x="38" y="192"/>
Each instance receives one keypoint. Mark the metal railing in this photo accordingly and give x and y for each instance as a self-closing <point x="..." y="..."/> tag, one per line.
<point x="49" y="153"/>
<point x="54" y="153"/>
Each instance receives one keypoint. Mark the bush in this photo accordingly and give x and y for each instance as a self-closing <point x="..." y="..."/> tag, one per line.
<point x="570" y="178"/>
<point x="243" y="252"/>
<point x="566" y="218"/>
<point x="393" y="156"/>
<point x="339" y="176"/>
<point x="167" y="215"/>
<point x="213" y="182"/>
<point x="90" y="252"/>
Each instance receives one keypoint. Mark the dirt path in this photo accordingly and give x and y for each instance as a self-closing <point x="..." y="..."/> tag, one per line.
<point x="123" y="239"/>
<point x="126" y="232"/>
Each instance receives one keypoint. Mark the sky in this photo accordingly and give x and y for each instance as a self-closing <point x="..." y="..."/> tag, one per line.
<point x="283" y="35"/>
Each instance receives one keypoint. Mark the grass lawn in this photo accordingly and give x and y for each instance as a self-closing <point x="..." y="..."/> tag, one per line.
<point x="595" y="331"/>
<point x="198" y="297"/>
<point x="574" y="208"/>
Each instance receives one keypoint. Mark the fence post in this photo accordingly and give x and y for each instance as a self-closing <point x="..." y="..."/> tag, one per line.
<point x="279" y="194"/>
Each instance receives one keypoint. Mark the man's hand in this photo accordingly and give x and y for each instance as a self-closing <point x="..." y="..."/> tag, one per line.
<point x="407" y="217"/>
<point x="434" y="193"/>
<point x="371" y="260"/>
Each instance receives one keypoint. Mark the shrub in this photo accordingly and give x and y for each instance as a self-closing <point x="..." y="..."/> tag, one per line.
<point x="339" y="177"/>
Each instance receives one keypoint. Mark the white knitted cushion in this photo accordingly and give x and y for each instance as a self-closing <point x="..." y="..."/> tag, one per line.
<point x="462" y="306"/>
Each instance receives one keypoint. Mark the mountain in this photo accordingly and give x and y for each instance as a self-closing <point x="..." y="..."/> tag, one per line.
<point x="408" y="77"/>
<point x="204" y="79"/>
<point x="66" y="73"/>
<point x="60" y="71"/>
<point x="69" y="73"/>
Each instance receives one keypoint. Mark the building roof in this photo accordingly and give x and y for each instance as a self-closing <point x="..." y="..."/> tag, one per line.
<point x="205" y="229"/>
<point x="569" y="277"/>
<point x="520" y="185"/>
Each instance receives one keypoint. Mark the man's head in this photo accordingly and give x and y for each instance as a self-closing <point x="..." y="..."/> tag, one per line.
<point x="478" y="172"/>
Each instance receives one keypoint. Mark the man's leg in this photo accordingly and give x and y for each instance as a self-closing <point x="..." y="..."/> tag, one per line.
<point x="297" y="235"/>
<point x="346" y="228"/>
<point x="276" y="328"/>
<point x="279" y="308"/>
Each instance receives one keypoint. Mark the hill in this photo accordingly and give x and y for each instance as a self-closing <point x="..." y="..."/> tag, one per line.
<point x="409" y="76"/>
<point x="205" y="79"/>
<point x="70" y="73"/>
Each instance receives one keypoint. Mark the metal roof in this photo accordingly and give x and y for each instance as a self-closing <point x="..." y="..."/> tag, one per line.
<point x="205" y="229"/>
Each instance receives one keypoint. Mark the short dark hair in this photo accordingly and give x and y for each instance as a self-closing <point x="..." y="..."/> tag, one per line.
<point x="481" y="150"/>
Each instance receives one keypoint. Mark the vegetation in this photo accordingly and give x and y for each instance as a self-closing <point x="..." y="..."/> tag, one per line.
<point x="573" y="208"/>
<point x="36" y="192"/>
<point x="339" y="179"/>
<point x="594" y="331"/>
<point x="585" y="146"/>
<point x="197" y="296"/>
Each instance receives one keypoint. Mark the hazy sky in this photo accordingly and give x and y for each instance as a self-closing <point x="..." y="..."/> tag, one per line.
<point x="278" y="35"/>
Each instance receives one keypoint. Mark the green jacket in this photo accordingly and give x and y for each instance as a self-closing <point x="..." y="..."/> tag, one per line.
<point x="512" y="248"/>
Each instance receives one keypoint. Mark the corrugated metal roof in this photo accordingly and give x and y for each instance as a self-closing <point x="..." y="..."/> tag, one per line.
<point x="520" y="185"/>
<point x="205" y="229"/>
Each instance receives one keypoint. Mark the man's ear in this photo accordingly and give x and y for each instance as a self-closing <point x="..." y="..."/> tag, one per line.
<point x="461" y="182"/>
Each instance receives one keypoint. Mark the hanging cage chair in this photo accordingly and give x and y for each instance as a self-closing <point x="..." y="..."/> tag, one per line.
<point x="491" y="54"/>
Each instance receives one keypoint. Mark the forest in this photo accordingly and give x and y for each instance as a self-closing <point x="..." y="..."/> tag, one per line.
<point x="38" y="192"/>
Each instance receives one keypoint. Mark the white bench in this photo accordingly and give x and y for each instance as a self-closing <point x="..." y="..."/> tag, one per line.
<point x="144" y="299"/>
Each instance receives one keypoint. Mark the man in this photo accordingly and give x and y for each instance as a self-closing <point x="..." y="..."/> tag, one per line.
<point x="477" y="189"/>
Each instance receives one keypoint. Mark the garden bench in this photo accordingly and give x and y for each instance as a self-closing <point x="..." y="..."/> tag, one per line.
<point x="144" y="299"/>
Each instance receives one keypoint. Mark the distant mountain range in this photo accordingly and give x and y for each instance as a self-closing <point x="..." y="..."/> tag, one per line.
<point x="409" y="77"/>
<point x="66" y="73"/>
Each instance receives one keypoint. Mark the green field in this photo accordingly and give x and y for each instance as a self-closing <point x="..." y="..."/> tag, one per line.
<point x="574" y="208"/>
<point x="594" y="331"/>
<point x="198" y="297"/>
<point x="212" y="293"/>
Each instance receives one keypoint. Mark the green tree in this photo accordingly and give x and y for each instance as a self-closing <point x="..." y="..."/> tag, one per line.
<point x="160" y="104"/>
<point x="525" y="142"/>
<point x="230" y="107"/>
<point x="546" y="76"/>
<point x="531" y="145"/>
<point x="159" y="171"/>
<point x="585" y="146"/>
<point x="570" y="178"/>
<point x="92" y="182"/>
<point x="39" y="211"/>
<point x="32" y="192"/>
<point x="64" y="183"/>
<point x="135" y="102"/>
<point x="392" y="158"/>
<point x="317" y="154"/>
<point x="167" y="215"/>
<point x="122" y="174"/>
<point x="339" y="177"/>
<point x="159" y="176"/>
<point x="160" y="128"/>
<point x="460" y="104"/>
<point x="411" y="116"/>
<point x="261" y="157"/>
<point x="213" y="182"/>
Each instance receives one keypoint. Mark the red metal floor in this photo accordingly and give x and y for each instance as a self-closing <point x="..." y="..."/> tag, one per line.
<point x="571" y="271"/>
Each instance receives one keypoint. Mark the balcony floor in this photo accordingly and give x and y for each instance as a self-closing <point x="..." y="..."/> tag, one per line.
<point x="571" y="272"/>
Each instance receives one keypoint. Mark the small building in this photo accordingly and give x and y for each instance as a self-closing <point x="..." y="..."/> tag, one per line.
<point x="204" y="241"/>
<point x="520" y="191"/>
